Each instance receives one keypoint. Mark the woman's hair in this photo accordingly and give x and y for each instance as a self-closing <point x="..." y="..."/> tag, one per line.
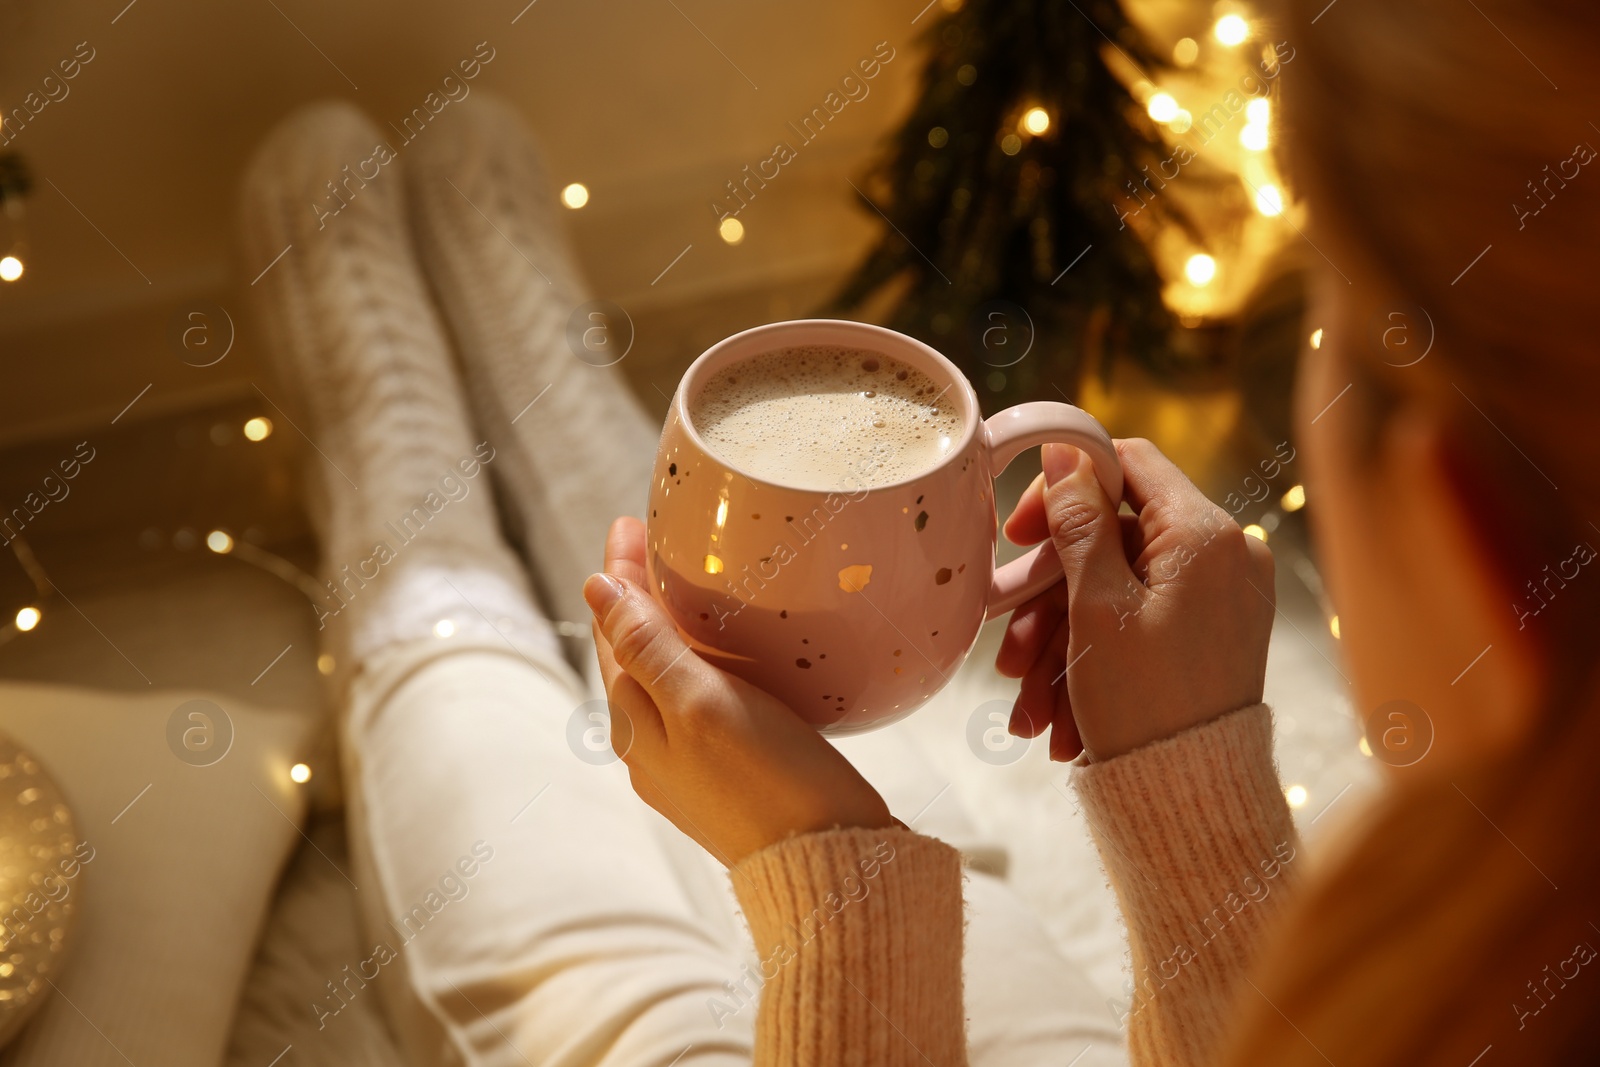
<point x="1449" y="164"/>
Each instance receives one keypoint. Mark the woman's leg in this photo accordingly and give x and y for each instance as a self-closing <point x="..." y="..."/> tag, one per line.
<point x="576" y="446"/>
<point x="521" y="905"/>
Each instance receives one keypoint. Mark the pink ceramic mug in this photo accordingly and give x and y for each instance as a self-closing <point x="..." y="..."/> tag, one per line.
<point x="853" y="606"/>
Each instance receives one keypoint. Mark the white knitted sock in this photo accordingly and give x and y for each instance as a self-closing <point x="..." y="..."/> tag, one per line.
<point x="399" y="483"/>
<point x="485" y="218"/>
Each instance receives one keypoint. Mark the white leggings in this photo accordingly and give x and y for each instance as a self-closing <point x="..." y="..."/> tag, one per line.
<point x="524" y="907"/>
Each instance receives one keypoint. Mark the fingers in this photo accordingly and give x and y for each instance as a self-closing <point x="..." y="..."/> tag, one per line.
<point x="1029" y="631"/>
<point x="625" y="547"/>
<point x="1027" y="525"/>
<point x="1084" y="527"/>
<point x="1066" y="744"/>
<point x="1150" y="478"/>
<point x="634" y="716"/>
<point x="648" y="632"/>
<point x="636" y="643"/>
<point x="1036" y="707"/>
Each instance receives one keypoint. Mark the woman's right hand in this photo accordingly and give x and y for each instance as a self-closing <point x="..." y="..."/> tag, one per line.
<point x="1162" y="623"/>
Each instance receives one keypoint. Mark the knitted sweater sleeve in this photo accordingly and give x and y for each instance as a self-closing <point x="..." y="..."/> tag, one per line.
<point x="1196" y="838"/>
<point x="858" y="935"/>
<point x="859" y="932"/>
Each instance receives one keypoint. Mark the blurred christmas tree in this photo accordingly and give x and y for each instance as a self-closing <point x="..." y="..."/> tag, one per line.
<point x="1005" y="194"/>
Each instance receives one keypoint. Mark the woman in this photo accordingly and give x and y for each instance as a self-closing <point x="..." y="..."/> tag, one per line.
<point x="1456" y="497"/>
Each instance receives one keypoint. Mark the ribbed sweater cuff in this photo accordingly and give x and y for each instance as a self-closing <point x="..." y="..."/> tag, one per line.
<point x="1197" y="840"/>
<point x="859" y="936"/>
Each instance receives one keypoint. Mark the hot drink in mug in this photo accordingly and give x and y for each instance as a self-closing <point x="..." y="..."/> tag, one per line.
<point x="822" y="518"/>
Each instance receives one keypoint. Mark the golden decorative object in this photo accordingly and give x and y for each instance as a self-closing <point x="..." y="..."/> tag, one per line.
<point x="41" y="860"/>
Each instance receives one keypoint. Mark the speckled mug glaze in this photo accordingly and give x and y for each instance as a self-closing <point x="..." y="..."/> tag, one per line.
<point x="853" y="606"/>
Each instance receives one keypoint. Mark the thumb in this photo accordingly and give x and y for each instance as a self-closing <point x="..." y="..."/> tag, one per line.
<point x="644" y="641"/>
<point x="1083" y="522"/>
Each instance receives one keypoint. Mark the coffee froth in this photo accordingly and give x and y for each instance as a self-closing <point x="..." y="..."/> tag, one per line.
<point x="823" y="417"/>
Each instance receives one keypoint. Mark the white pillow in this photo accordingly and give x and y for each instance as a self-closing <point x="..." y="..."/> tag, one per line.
<point x="185" y="859"/>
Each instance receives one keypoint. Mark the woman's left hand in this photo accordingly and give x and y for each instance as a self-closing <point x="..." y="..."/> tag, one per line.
<point x="730" y="765"/>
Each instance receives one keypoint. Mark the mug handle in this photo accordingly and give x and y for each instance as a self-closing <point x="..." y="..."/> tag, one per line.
<point x="1014" y="431"/>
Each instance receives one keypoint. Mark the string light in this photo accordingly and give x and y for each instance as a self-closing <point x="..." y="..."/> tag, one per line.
<point x="1269" y="201"/>
<point x="731" y="230"/>
<point x="1232" y="30"/>
<point x="1010" y="144"/>
<point x="1182" y="122"/>
<point x="1296" y="795"/>
<point x="1258" y="111"/>
<point x="1162" y="107"/>
<point x="1295" y="498"/>
<point x="1186" y="51"/>
<point x="1316" y="337"/>
<point x="28" y="618"/>
<point x="1254" y="137"/>
<point x="219" y="542"/>
<point x="258" y="428"/>
<point x="938" y="137"/>
<point x="1036" y="120"/>
<point x="575" y="195"/>
<point x="10" y="269"/>
<point x="1200" y="269"/>
<point x="1258" y="532"/>
<point x="444" y="628"/>
<point x="325" y="664"/>
<point x="300" y="773"/>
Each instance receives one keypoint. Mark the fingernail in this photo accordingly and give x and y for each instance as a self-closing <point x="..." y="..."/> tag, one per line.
<point x="601" y="591"/>
<point x="1059" y="462"/>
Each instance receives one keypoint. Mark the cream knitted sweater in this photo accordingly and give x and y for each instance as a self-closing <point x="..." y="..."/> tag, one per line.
<point x="859" y="932"/>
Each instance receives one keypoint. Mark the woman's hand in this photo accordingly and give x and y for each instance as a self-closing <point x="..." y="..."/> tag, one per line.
<point x="1162" y="623"/>
<point x="729" y="765"/>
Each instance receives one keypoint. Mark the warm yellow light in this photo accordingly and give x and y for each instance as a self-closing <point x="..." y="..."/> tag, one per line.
<point x="219" y="542"/>
<point x="10" y="269"/>
<point x="1232" y="30"/>
<point x="713" y="564"/>
<point x="27" y="619"/>
<point x="1186" y="51"/>
<point x="731" y="230"/>
<point x="1296" y="795"/>
<point x="325" y="664"/>
<point x="258" y="428"/>
<point x="575" y="195"/>
<point x="300" y="773"/>
<point x="1333" y="627"/>
<point x="1258" y="532"/>
<point x="1258" y="111"/>
<point x="1295" y="498"/>
<point x="1366" y="749"/>
<point x="722" y="512"/>
<point x="1269" y="201"/>
<point x="1162" y="107"/>
<point x="1254" y="137"/>
<point x="1036" y="120"/>
<point x="1182" y="122"/>
<point x="444" y="628"/>
<point x="1316" y="337"/>
<point x="1200" y="269"/>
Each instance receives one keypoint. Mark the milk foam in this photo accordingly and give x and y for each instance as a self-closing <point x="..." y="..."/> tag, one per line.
<point x="822" y="417"/>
